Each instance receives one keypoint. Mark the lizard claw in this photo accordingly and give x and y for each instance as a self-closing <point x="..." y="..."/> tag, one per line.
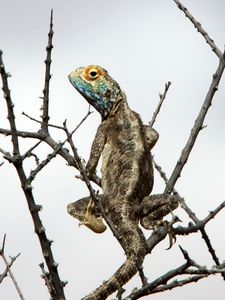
<point x="172" y="235"/>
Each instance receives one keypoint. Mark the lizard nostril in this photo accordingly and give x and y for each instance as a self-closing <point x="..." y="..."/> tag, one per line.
<point x="107" y="94"/>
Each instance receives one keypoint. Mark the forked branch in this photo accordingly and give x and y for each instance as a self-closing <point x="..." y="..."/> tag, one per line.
<point x="8" y="268"/>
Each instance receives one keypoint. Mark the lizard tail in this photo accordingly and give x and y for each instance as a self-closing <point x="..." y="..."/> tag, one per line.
<point x="123" y="274"/>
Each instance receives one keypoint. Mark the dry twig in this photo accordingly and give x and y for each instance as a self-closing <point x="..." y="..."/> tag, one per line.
<point x="200" y="29"/>
<point x="45" y="115"/>
<point x="162" y="97"/>
<point x="8" y="269"/>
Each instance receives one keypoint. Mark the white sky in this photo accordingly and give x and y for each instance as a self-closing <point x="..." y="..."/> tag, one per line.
<point x="143" y="44"/>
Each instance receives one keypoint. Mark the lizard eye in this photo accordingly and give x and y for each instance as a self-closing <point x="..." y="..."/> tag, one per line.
<point x="93" y="74"/>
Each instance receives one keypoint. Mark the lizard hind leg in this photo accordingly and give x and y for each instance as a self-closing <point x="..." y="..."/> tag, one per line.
<point x="155" y="207"/>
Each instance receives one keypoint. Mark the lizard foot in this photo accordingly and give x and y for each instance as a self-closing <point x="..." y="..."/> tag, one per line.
<point x="87" y="213"/>
<point x="169" y="225"/>
<point x="91" y="221"/>
<point x="171" y="234"/>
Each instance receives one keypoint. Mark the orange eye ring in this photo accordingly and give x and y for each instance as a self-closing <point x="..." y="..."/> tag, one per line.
<point x="93" y="73"/>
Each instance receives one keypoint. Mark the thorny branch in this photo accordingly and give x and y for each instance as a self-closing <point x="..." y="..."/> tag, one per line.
<point x="199" y="225"/>
<point x="10" y="105"/>
<point x="184" y="157"/>
<point x="56" y="284"/>
<point x="56" y="151"/>
<point x="41" y="122"/>
<point x="162" y="97"/>
<point x="48" y="61"/>
<point x="200" y="29"/>
<point x="197" y="127"/>
<point x="190" y="267"/>
<point x="63" y="152"/>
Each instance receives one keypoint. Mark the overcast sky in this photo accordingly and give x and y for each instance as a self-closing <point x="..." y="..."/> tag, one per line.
<point x="142" y="44"/>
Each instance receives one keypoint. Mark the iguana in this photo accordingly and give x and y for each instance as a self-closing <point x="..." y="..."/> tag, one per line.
<point x="127" y="174"/>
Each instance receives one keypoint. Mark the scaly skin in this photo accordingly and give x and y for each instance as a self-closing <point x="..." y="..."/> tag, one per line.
<point x="127" y="172"/>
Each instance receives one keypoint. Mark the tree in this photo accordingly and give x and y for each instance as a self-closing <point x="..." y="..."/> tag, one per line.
<point x="192" y="270"/>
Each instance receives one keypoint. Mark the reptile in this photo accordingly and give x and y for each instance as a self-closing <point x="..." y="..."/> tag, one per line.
<point x="124" y="143"/>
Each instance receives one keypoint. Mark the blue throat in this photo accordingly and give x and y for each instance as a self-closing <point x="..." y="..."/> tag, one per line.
<point x="99" y="100"/>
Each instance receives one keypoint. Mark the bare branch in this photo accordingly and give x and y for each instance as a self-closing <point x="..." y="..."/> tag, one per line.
<point x="10" y="106"/>
<point x="29" y="152"/>
<point x="178" y="283"/>
<point x="197" y="127"/>
<point x="160" y="284"/>
<point x="213" y="213"/>
<point x="7" y="155"/>
<point x="144" y="279"/>
<point x="8" y="268"/>
<point x="57" y="285"/>
<point x="52" y="143"/>
<point x="57" y="150"/>
<point x="3" y="245"/>
<point x="42" y="123"/>
<point x="204" y="271"/>
<point x="198" y="26"/>
<point x="45" y="243"/>
<point x="45" y="115"/>
<point x="5" y="273"/>
<point x="41" y="165"/>
<point x="200" y="225"/>
<point x="162" y="97"/>
<point x="24" y="134"/>
<point x="8" y="265"/>
<point x="120" y="294"/>
<point x="189" y="145"/>
<point x="147" y="289"/>
<point x="47" y="278"/>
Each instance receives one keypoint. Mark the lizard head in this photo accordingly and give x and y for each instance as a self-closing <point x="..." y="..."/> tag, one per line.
<point x="97" y="87"/>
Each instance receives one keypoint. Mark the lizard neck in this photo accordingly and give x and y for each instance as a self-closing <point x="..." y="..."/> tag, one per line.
<point x="120" y="106"/>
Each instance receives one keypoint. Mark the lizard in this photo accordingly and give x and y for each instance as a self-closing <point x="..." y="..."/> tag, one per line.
<point x="124" y="143"/>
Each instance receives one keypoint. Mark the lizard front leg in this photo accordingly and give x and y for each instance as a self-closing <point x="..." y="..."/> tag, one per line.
<point x="96" y="150"/>
<point x="84" y="209"/>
